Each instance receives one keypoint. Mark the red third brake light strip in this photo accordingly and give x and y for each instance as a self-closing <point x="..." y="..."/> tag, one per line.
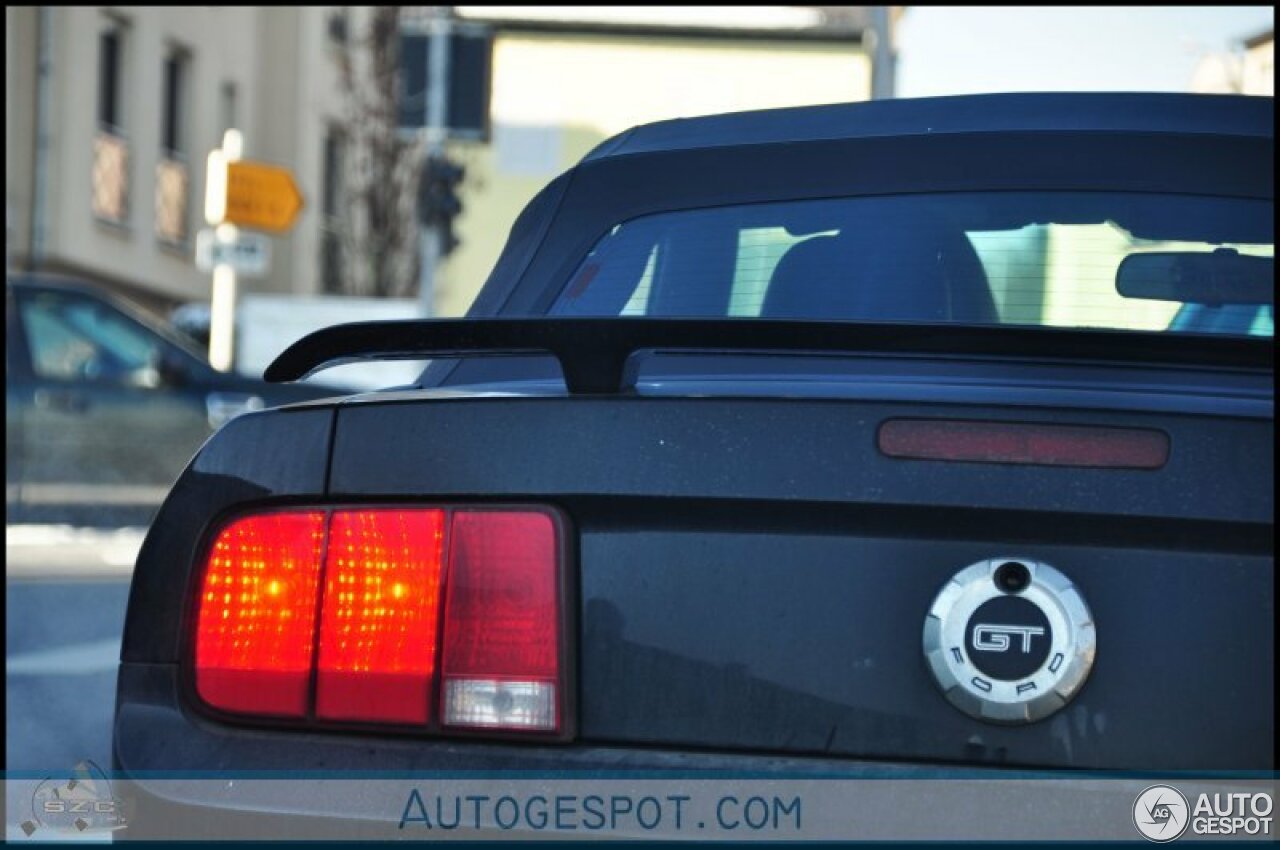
<point x="1095" y="446"/>
<point x="427" y="617"/>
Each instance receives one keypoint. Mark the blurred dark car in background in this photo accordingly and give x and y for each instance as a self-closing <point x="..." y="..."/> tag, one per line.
<point x="105" y="406"/>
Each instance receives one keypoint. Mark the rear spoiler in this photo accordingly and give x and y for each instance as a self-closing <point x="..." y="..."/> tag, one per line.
<point x="596" y="355"/>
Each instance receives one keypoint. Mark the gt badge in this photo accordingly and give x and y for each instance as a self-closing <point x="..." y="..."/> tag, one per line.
<point x="1009" y="640"/>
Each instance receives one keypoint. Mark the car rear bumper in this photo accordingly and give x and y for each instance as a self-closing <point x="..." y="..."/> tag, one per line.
<point x="184" y="776"/>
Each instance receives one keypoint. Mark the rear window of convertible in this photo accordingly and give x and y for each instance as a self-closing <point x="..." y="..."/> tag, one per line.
<point x="1142" y="262"/>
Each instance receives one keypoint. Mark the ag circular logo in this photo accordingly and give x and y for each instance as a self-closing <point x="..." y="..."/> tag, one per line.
<point x="1009" y="640"/>
<point x="1161" y="813"/>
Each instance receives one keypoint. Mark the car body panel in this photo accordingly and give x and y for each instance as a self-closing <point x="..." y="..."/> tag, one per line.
<point x="238" y="467"/>
<point x="846" y="549"/>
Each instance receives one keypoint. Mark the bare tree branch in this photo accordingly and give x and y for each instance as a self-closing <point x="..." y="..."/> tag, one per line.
<point x="377" y="230"/>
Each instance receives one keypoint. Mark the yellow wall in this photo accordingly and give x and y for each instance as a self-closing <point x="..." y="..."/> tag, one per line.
<point x="1260" y="69"/>
<point x="555" y="97"/>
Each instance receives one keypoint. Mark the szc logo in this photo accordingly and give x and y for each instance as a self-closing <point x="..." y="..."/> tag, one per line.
<point x="994" y="637"/>
<point x="1160" y="813"/>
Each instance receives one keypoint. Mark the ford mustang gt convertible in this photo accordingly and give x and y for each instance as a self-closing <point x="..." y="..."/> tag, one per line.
<point x="899" y="437"/>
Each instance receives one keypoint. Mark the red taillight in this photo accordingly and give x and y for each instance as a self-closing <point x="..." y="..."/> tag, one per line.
<point x="378" y="623"/>
<point x="501" y="657"/>
<point x="1023" y="442"/>
<point x="257" y="614"/>
<point x="374" y="579"/>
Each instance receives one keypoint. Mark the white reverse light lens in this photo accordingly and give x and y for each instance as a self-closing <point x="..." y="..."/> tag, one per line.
<point x="491" y="703"/>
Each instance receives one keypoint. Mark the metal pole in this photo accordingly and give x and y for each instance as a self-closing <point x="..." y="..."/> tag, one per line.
<point x="430" y="236"/>
<point x="882" y="60"/>
<point x="222" y="300"/>
<point x="44" y="91"/>
<point x="222" y="318"/>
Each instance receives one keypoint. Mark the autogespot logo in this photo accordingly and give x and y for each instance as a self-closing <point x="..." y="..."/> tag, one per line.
<point x="1160" y="813"/>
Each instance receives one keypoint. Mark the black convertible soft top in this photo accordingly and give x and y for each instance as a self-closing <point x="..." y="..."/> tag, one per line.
<point x="1219" y="145"/>
<point x="1232" y="115"/>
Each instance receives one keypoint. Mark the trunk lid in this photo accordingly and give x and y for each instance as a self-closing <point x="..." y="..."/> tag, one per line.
<point x="753" y="574"/>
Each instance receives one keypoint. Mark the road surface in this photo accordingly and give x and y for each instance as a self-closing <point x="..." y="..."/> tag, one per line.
<point x="64" y="606"/>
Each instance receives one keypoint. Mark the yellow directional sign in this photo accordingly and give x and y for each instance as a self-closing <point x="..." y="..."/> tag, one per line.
<point x="260" y="196"/>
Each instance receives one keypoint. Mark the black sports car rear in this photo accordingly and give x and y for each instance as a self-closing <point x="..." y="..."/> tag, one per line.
<point x="889" y="436"/>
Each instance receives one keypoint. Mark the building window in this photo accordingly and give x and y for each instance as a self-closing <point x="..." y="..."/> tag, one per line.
<point x="110" y="178"/>
<point x="470" y="73"/>
<point x="173" y="188"/>
<point x="471" y="58"/>
<point x="339" y="27"/>
<point x="173" y="181"/>
<point x="109" y="198"/>
<point x="173" y="133"/>
<point x="110" y="70"/>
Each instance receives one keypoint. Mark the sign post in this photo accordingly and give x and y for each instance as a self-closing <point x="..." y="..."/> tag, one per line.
<point x="222" y="300"/>
<point x="239" y="193"/>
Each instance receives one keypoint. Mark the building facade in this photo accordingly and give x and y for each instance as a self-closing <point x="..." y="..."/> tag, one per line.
<point x="1259" y="73"/>
<point x="111" y="112"/>
<point x="1247" y="69"/>
<point x="566" y="78"/>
